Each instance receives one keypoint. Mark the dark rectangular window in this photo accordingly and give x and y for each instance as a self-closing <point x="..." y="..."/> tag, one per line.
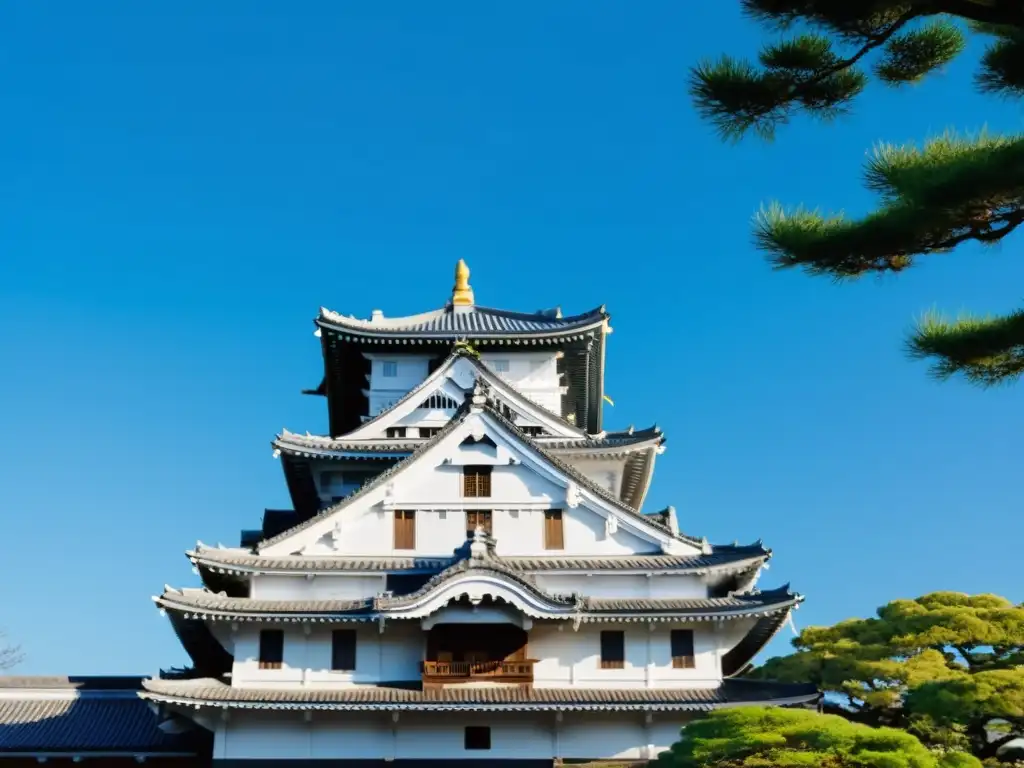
<point x="613" y="649"/>
<point x="682" y="649"/>
<point x="343" y="650"/>
<point x="476" y="481"/>
<point x="271" y="648"/>
<point x="533" y="431"/>
<point x="395" y="431"/>
<point x="429" y="431"/>
<point x="405" y="529"/>
<point x="553" y="534"/>
<point x="478" y="518"/>
<point x="478" y="737"/>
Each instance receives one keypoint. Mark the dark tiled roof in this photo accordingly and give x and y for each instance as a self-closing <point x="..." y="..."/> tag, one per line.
<point x="96" y="715"/>
<point x="471" y="322"/>
<point x="396" y="696"/>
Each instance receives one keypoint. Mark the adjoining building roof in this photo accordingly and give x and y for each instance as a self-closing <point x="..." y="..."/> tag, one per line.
<point x="450" y="323"/>
<point x="403" y="696"/>
<point x="83" y="715"/>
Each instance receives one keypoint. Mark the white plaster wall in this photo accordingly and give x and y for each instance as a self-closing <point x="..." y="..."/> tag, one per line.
<point x="385" y="390"/>
<point x="440" y="735"/>
<point x="570" y="658"/>
<point x="566" y="658"/>
<point x="622" y="585"/>
<point x="606" y="473"/>
<point x="518" y="499"/>
<point x="392" y="656"/>
<point x="533" y="374"/>
<point x="320" y="587"/>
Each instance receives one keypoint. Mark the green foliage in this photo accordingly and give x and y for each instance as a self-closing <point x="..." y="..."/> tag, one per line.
<point x="932" y="198"/>
<point x="756" y="737"/>
<point x="946" y="666"/>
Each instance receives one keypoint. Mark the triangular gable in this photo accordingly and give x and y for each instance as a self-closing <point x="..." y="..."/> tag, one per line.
<point x="447" y="388"/>
<point x="477" y="420"/>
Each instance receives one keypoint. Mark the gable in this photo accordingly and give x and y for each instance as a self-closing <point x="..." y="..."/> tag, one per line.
<point x="526" y="482"/>
<point x="434" y="401"/>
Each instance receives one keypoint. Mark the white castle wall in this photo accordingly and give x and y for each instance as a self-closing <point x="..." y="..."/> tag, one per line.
<point x="518" y="499"/>
<point x="440" y="735"/>
<point x="567" y="658"/>
<point x="533" y="374"/>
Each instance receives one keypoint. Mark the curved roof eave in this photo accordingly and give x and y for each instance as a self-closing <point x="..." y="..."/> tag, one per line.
<point x="476" y="323"/>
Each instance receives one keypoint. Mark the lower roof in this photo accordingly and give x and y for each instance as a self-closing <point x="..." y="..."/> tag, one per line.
<point x="728" y="559"/>
<point x="209" y="692"/>
<point x="83" y="715"/>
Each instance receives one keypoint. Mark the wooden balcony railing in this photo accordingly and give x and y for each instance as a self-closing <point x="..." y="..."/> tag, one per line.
<point x="448" y="672"/>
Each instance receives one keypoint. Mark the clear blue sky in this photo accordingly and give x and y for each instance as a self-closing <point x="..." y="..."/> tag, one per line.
<point x="184" y="184"/>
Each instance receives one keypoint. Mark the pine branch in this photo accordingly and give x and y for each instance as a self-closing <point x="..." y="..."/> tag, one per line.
<point x="986" y="351"/>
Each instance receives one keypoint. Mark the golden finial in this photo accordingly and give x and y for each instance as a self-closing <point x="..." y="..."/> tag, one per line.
<point x="462" y="294"/>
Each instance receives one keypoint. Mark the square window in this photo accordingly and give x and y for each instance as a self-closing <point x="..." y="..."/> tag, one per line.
<point x="478" y="737"/>
<point x="271" y="648"/>
<point x="554" y="535"/>
<point x="388" y="369"/>
<point x="395" y="432"/>
<point x="405" y="529"/>
<point x="683" y="656"/>
<point x="478" y="518"/>
<point x="343" y="650"/>
<point x="613" y="649"/>
<point x="476" y="482"/>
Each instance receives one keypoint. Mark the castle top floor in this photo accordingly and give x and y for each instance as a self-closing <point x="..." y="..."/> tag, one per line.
<point x="370" y="363"/>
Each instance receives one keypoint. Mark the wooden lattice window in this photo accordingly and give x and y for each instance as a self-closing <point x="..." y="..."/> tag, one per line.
<point x="405" y="529"/>
<point x="554" y="537"/>
<point x="343" y="650"/>
<point x="271" y="648"/>
<point x="476" y="482"/>
<point x="682" y="649"/>
<point x="478" y="518"/>
<point x="613" y="649"/>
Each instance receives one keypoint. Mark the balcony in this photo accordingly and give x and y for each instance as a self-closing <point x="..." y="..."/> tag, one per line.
<point x="438" y="674"/>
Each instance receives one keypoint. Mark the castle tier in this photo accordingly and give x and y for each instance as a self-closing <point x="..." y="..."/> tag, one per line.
<point x="467" y="572"/>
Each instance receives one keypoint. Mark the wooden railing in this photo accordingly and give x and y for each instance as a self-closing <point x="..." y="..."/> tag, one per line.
<point x="442" y="672"/>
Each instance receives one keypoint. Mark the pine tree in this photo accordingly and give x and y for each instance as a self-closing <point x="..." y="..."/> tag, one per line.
<point x="951" y="190"/>
<point x="948" y="667"/>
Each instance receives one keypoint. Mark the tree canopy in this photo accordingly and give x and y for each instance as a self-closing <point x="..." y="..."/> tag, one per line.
<point x="951" y="190"/>
<point x="758" y="737"/>
<point x="945" y="666"/>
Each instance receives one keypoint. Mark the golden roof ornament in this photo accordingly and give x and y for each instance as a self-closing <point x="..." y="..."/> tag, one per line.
<point x="462" y="294"/>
